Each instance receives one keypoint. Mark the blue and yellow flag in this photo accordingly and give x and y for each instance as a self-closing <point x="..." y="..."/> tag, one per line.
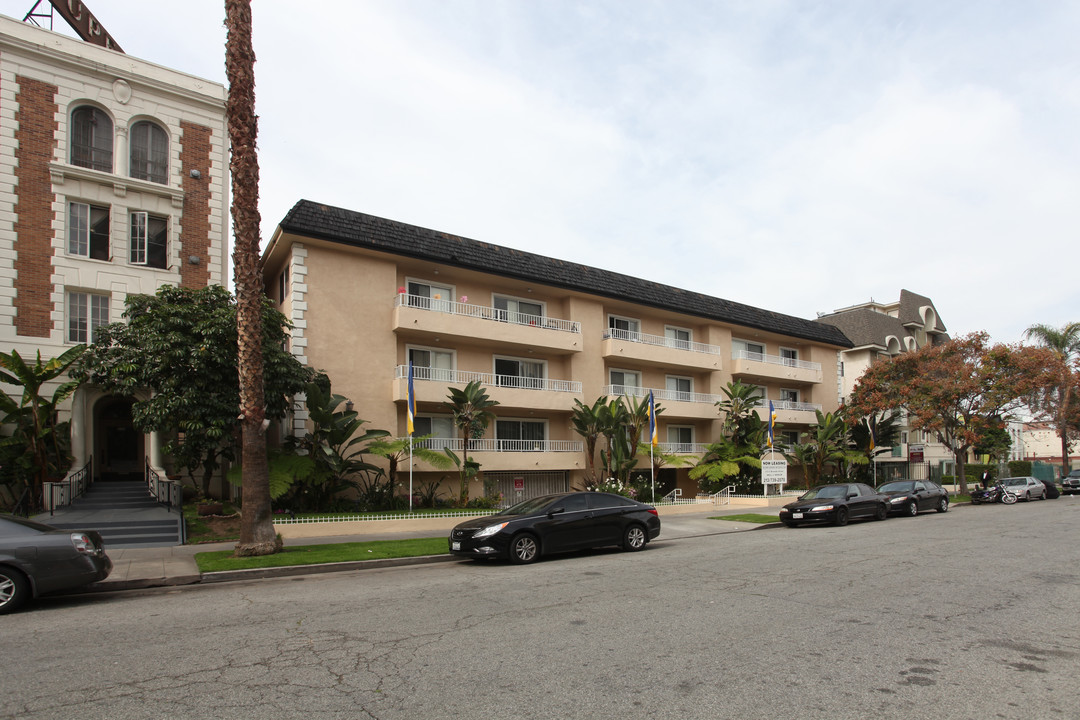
<point x="772" y="419"/>
<point x="871" y="429"/>
<point x="652" y="420"/>
<point x="410" y="412"/>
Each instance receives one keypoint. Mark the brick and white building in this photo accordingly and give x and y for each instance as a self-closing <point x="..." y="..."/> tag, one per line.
<point x="113" y="181"/>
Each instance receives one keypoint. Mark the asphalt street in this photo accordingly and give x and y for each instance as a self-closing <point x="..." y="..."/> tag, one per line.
<point x="970" y="614"/>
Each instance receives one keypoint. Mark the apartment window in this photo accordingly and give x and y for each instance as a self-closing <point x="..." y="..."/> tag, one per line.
<point x="624" y="380"/>
<point x="149" y="152"/>
<point x="283" y="284"/>
<point x="149" y="240"/>
<point x="678" y="337"/>
<point x="88" y="231"/>
<point x="432" y="364"/>
<point x="91" y="139"/>
<point x="623" y="328"/>
<point x="520" y="435"/>
<point x="788" y="395"/>
<point x="86" y="313"/>
<point x="681" y="388"/>
<point x="789" y="357"/>
<point x="903" y="437"/>
<point x="751" y="350"/>
<point x="681" y="437"/>
<point x="790" y="437"/>
<point x="430" y="296"/>
<point x="440" y="428"/>
<point x="518" y="373"/>
<point x="517" y="311"/>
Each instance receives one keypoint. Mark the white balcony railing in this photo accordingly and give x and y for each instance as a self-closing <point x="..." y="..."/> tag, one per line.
<point x="490" y="380"/>
<point x="774" y="360"/>
<point x="669" y="448"/>
<point x="661" y="341"/>
<point x="790" y="405"/>
<point x="669" y="395"/>
<point x="485" y="312"/>
<point x="497" y="445"/>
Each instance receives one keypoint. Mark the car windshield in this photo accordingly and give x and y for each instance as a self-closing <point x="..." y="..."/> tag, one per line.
<point x="898" y="486"/>
<point x="827" y="491"/>
<point x="527" y="507"/>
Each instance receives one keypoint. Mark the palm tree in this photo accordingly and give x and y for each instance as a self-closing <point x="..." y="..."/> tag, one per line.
<point x="738" y="410"/>
<point x="257" y="536"/>
<point x="471" y="408"/>
<point x="1059" y="402"/>
<point x="397" y="449"/>
<point x="587" y="422"/>
<point x="829" y="439"/>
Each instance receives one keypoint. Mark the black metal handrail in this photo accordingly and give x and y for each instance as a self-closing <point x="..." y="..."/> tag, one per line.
<point x="73" y="486"/>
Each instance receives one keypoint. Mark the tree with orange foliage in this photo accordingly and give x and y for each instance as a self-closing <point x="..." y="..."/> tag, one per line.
<point x="952" y="390"/>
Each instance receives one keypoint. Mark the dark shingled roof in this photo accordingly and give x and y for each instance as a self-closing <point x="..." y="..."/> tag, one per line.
<point x="909" y="310"/>
<point x="866" y="327"/>
<point x="367" y="231"/>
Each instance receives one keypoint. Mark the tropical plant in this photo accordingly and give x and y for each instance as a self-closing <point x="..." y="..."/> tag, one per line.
<point x="726" y="462"/>
<point x="467" y="470"/>
<point x="471" y="409"/>
<point x="740" y="419"/>
<point x="872" y="436"/>
<point x="1059" y="401"/>
<point x="395" y="450"/>
<point x="829" y="444"/>
<point x="180" y="345"/>
<point x="588" y="423"/>
<point x="38" y="448"/>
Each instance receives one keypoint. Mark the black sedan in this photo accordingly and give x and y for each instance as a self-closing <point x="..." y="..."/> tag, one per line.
<point x="911" y="496"/>
<point x="836" y="504"/>
<point x="36" y="559"/>
<point x="557" y="523"/>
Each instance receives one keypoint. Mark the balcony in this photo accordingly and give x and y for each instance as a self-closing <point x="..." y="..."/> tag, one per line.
<point x="659" y="351"/>
<point x="676" y="404"/>
<point x="798" y="413"/>
<point x="421" y="317"/>
<point x="511" y="391"/>
<point x="759" y="366"/>
<point x="681" y="448"/>
<point x="509" y="455"/>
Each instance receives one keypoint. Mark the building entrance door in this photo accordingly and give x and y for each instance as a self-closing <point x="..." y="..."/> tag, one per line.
<point x="118" y="446"/>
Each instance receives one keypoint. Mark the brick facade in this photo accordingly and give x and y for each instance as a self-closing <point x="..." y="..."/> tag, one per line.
<point x="195" y="235"/>
<point x="36" y="139"/>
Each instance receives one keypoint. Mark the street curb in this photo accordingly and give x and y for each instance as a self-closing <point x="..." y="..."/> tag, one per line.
<point x="288" y="570"/>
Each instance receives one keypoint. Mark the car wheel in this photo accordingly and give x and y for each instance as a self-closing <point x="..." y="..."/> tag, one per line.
<point x="882" y="512"/>
<point x="14" y="589"/>
<point x="524" y="549"/>
<point x="1008" y="498"/>
<point x="912" y="508"/>
<point x="1027" y="496"/>
<point x="634" y="538"/>
<point x="841" y="516"/>
<point x="943" y="505"/>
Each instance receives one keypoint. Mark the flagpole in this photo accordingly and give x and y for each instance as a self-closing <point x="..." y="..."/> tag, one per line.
<point x="410" y="473"/>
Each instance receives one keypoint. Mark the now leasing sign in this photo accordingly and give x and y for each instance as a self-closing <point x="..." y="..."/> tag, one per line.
<point x="773" y="471"/>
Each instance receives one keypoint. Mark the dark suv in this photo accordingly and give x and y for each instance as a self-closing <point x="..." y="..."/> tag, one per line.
<point x="1071" y="482"/>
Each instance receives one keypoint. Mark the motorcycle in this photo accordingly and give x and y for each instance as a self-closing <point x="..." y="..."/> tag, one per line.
<point x="997" y="493"/>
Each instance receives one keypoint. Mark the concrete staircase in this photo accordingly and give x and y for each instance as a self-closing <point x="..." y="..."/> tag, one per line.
<point x="124" y="513"/>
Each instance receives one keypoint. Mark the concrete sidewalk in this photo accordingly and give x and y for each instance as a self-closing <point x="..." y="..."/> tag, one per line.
<point x="136" y="568"/>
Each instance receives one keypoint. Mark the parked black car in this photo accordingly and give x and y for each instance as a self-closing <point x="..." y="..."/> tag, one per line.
<point x="836" y="504"/>
<point x="1052" y="492"/>
<point x="557" y="523"/>
<point x="911" y="496"/>
<point x="36" y="559"/>
<point x="1071" y="482"/>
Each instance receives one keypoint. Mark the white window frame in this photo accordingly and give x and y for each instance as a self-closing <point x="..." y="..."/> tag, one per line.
<point x="435" y="301"/>
<point x="283" y="283"/>
<point x="445" y="374"/>
<point x="798" y="395"/>
<point x="514" y="314"/>
<point x="437" y="441"/>
<point x="792" y="361"/>
<point x="90" y="309"/>
<point x="543" y="423"/>
<point x="671" y="330"/>
<point x="540" y="381"/>
<point x="679" y="393"/>
<point x="678" y="443"/>
<point x="139" y="247"/>
<point x="81" y="232"/>
<point x="139" y="173"/>
<point x="612" y="382"/>
<point x="633" y="326"/>
<point x="744" y="345"/>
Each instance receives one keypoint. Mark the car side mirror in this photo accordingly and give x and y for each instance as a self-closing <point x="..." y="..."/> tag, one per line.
<point x="556" y="510"/>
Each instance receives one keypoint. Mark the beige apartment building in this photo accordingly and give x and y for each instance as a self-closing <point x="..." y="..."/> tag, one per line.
<point x="367" y="296"/>
<point x="113" y="181"/>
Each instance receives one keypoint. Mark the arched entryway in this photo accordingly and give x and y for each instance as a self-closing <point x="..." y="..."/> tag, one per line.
<point x="119" y="449"/>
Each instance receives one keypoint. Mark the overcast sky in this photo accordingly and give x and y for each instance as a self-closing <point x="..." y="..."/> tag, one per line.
<point x="796" y="156"/>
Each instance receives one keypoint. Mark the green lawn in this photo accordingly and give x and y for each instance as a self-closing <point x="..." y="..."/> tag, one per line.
<point x="749" y="517"/>
<point x="319" y="554"/>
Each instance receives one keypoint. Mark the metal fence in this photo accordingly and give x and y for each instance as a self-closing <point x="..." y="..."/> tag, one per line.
<point x="63" y="493"/>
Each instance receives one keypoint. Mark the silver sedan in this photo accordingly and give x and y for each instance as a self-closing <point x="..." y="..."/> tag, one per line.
<point x="1025" y="488"/>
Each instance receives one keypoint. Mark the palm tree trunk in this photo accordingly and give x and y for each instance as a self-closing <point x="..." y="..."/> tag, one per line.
<point x="257" y="535"/>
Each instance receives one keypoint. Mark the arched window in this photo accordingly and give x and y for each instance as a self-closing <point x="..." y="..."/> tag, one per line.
<point x="91" y="139"/>
<point x="149" y="152"/>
